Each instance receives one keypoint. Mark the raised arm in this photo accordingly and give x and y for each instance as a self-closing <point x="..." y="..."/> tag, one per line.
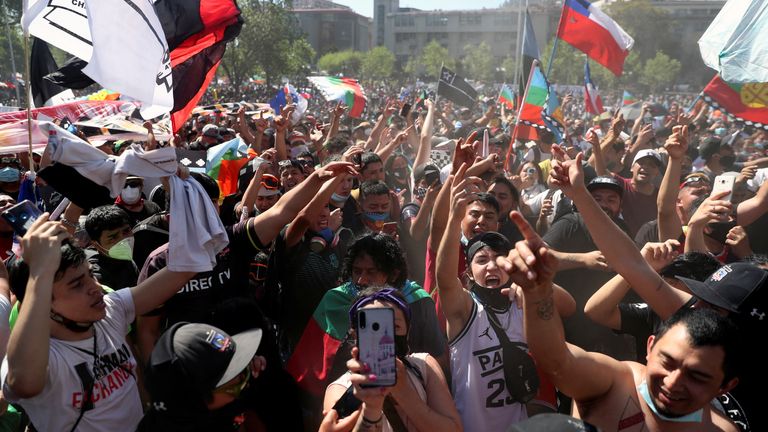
<point x="311" y="212"/>
<point x="425" y="139"/>
<point x="267" y="225"/>
<point x="577" y="373"/>
<point x="752" y="209"/>
<point x="29" y="343"/>
<point x="282" y="123"/>
<point x="419" y="226"/>
<point x="385" y="151"/>
<point x="456" y="303"/>
<point x="713" y="209"/>
<point x="252" y="191"/>
<point x="616" y="246"/>
<point x="336" y="114"/>
<point x="676" y="145"/>
<point x="381" y="124"/>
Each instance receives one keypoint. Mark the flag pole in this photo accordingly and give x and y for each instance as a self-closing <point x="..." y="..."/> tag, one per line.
<point x="519" y="46"/>
<point x="28" y="89"/>
<point x="557" y="39"/>
<point x="534" y="65"/>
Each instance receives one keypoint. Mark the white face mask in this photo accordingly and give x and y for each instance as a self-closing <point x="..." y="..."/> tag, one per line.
<point x="122" y="250"/>
<point x="131" y="195"/>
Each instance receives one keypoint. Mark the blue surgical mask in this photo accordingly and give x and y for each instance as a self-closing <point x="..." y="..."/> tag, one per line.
<point x="9" y="175"/>
<point x="694" y="417"/>
<point x="339" y="198"/>
<point x="376" y="216"/>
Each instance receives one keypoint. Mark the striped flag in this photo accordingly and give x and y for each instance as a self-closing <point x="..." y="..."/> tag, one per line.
<point x="224" y="162"/>
<point x="590" y="30"/>
<point x="628" y="99"/>
<point x="592" y="101"/>
<point x="346" y="90"/>
<point x="541" y="107"/>
<point x="507" y="96"/>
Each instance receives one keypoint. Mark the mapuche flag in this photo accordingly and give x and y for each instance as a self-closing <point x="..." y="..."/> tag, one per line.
<point x="746" y="103"/>
<point x="312" y="361"/>
<point x="540" y="107"/>
<point x="507" y="97"/>
<point x="628" y="99"/>
<point x="588" y="29"/>
<point x="345" y="90"/>
<point x="455" y="88"/>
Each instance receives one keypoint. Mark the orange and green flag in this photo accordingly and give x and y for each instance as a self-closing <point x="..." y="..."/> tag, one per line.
<point x="507" y="97"/>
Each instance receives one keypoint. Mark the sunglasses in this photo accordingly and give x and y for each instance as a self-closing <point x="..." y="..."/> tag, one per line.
<point x="286" y="163"/>
<point x="236" y="387"/>
<point x="270" y="182"/>
<point x="695" y="181"/>
<point x="133" y="184"/>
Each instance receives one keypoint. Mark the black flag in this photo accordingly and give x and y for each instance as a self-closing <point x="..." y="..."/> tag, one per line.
<point x="41" y="64"/>
<point x="456" y="89"/>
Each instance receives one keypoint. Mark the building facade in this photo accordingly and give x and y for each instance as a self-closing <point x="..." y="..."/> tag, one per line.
<point x="331" y="27"/>
<point x="405" y="31"/>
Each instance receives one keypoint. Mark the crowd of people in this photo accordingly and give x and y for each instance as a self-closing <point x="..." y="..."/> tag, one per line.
<point x="609" y="277"/>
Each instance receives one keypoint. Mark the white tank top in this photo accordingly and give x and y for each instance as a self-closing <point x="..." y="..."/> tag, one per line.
<point x="479" y="389"/>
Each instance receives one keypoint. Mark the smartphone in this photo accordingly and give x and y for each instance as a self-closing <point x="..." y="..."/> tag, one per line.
<point x="376" y="344"/>
<point x="59" y="209"/>
<point x="405" y="110"/>
<point x="21" y="216"/>
<point x="347" y="403"/>
<point x="724" y="183"/>
<point x="389" y="228"/>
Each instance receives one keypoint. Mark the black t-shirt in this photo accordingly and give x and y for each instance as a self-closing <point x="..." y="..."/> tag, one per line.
<point x="197" y="299"/>
<point x="305" y="276"/>
<point x="228" y="418"/>
<point x="146" y="211"/>
<point x="149" y="234"/>
<point x="114" y="273"/>
<point x="415" y="251"/>
<point x="570" y="234"/>
<point x="349" y="212"/>
<point x="648" y="232"/>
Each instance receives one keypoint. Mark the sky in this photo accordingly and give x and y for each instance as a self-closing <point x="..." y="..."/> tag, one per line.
<point x="365" y="7"/>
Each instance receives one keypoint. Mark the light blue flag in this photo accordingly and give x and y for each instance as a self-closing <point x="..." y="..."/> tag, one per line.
<point x="735" y="44"/>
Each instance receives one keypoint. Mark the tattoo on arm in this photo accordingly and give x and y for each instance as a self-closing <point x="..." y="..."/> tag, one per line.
<point x="545" y="308"/>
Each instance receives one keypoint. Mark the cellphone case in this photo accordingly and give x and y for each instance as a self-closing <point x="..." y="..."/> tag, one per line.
<point x="21" y="216"/>
<point x="376" y="342"/>
<point x="724" y="183"/>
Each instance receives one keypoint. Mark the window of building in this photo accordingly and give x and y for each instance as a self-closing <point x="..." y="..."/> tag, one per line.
<point x="437" y="20"/>
<point x="468" y="18"/>
<point x="404" y="21"/>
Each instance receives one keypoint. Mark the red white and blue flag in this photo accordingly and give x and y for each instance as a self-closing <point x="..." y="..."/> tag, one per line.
<point x="592" y="101"/>
<point x="588" y="29"/>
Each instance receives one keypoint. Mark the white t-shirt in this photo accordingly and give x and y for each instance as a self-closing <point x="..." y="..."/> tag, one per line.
<point x="760" y="176"/>
<point x="477" y="370"/>
<point x="116" y="403"/>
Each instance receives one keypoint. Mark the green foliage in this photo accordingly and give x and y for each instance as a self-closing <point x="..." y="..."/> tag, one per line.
<point x="660" y="72"/>
<point x="648" y="25"/>
<point x="10" y="14"/>
<point x="378" y="64"/>
<point x="509" y="65"/>
<point x="429" y="62"/>
<point x="478" y="62"/>
<point x="269" y="44"/>
<point x="607" y="80"/>
<point x="347" y="63"/>
<point x="567" y="66"/>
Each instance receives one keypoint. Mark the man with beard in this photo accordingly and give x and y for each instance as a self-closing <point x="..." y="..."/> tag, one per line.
<point x="639" y="198"/>
<point x="569" y="234"/>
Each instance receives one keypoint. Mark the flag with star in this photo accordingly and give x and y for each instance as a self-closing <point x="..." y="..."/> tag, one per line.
<point x="456" y="89"/>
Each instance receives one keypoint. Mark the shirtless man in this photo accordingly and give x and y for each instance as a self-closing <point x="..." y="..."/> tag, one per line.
<point x="691" y="359"/>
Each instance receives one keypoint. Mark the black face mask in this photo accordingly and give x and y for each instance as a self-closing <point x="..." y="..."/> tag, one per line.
<point x="727" y="161"/>
<point x="401" y="346"/>
<point x="719" y="230"/>
<point x="490" y="298"/>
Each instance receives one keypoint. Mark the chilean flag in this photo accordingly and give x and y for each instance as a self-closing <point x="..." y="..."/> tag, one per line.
<point x="592" y="99"/>
<point x="588" y="29"/>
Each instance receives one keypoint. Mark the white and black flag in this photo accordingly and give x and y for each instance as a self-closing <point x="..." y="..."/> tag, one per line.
<point x="456" y="89"/>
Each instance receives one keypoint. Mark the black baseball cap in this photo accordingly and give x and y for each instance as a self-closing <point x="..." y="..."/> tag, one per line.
<point x="606" y="182"/>
<point x="203" y="356"/>
<point x="734" y="287"/>
<point x="552" y="422"/>
<point x="426" y="171"/>
<point x="491" y="239"/>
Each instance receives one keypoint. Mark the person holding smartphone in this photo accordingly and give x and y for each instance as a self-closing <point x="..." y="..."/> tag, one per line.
<point x="419" y="400"/>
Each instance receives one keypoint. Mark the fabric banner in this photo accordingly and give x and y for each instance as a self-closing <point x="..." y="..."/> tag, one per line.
<point x="746" y="103"/>
<point x="455" y="88"/>
<point x="73" y="111"/>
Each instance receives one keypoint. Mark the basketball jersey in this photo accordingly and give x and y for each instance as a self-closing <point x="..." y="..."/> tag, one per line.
<point x="479" y="388"/>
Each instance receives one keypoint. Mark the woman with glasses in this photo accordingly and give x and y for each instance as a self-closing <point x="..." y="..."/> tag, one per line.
<point x="419" y="400"/>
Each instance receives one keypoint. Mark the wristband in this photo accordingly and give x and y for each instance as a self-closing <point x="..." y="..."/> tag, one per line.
<point x="373" y="422"/>
<point x="68" y="223"/>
